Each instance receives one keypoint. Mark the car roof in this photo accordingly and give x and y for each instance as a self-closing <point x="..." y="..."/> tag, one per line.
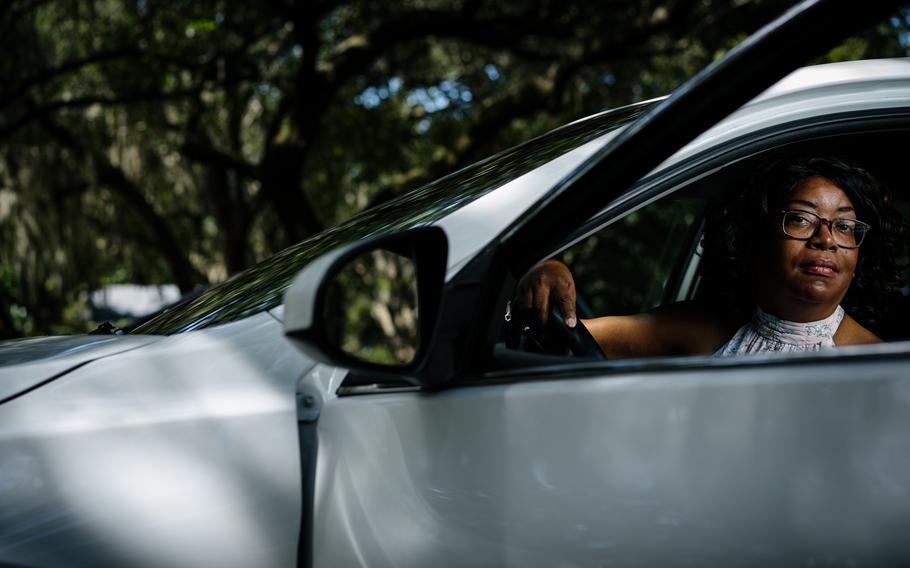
<point x="809" y="92"/>
<point x="842" y="73"/>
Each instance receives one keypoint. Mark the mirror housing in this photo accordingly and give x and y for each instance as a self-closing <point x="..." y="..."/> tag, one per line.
<point x="314" y="331"/>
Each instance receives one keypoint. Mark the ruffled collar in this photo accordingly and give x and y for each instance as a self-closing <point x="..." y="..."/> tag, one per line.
<point x="803" y="335"/>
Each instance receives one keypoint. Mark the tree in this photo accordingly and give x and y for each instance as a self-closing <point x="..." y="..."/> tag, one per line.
<point x="181" y="141"/>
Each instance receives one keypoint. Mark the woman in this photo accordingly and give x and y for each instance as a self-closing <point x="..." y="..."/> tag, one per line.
<point x="793" y="263"/>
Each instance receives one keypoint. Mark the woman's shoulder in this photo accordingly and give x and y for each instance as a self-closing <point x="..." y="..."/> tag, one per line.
<point x="850" y="332"/>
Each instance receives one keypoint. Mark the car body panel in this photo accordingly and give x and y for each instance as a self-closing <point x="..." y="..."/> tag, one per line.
<point x="184" y="452"/>
<point x="473" y="226"/>
<point x="787" y="464"/>
<point x="202" y="426"/>
<point x="811" y="92"/>
<point x="25" y="363"/>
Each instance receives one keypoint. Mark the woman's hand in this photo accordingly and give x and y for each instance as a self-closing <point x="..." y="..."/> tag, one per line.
<point x="548" y="282"/>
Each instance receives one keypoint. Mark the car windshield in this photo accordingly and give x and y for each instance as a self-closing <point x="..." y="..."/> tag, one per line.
<point x="262" y="287"/>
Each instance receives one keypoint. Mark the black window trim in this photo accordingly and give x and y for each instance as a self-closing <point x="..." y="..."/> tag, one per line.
<point x="586" y="369"/>
<point x="628" y="368"/>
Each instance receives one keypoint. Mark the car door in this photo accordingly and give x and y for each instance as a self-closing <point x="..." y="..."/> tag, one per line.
<point x="762" y="460"/>
<point x="770" y="462"/>
<point x="692" y="461"/>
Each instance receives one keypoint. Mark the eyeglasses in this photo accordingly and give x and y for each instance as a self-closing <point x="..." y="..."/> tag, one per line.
<point x="803" y="225"/>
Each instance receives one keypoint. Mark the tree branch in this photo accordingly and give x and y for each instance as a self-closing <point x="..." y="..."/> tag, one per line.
<point x="185" y="275"/>
<point x="7" y="10"/>
<point x="533" y="96"/>
<point x="219" y="158"/>
<point x="41" y="112"/>
<point x="51" y="73"/>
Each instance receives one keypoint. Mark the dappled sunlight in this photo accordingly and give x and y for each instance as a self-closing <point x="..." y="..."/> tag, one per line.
<point x="181" y="453"/>
<point x="377" y="498"/>
<point x="704" y="465"/>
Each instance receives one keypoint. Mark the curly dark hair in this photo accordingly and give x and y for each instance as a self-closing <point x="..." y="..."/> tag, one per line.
<point x="730" y="243"/>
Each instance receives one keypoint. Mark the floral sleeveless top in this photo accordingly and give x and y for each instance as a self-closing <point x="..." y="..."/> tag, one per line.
<point x="767" y="333"/>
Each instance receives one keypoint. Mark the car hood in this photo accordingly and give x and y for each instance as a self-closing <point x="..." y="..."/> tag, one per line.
<point x="26" y="363"/>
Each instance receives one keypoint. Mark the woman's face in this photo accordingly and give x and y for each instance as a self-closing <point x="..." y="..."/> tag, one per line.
<point x="806" y="280"/>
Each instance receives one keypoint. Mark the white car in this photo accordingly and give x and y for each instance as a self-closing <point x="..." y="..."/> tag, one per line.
<point x="273" y="422"/>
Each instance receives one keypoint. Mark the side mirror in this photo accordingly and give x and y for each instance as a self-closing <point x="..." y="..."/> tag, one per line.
<point x="371" y="306"/>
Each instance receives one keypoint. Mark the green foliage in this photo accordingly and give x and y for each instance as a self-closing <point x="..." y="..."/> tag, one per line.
<point x="161" y="141"/>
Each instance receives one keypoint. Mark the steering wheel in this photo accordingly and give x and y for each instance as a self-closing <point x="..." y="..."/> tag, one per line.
<point x="557" y="339"/>
<point x="578" y="340"/>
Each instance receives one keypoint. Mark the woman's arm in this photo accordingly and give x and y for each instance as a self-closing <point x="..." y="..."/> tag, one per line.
<point x="676" y="329"/>
<point x="681" y="328"/>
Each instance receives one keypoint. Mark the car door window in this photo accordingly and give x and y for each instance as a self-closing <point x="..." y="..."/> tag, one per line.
<point x="650" y="256"/>
<point x="637" y="263"/>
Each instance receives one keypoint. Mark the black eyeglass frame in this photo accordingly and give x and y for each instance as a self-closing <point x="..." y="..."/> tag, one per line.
<point x="861" y="227"/>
